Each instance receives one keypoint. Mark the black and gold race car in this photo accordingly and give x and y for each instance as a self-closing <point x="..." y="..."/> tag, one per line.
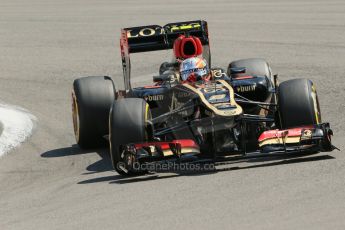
<point x="242" y="111"/>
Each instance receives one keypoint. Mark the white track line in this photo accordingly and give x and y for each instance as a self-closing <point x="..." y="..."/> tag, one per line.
<point x="17" y="125"/>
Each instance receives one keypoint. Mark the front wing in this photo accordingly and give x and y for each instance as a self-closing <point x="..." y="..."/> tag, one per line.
<point x="306" y="139"/>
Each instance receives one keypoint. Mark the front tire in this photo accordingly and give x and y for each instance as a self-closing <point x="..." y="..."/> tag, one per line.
<point x="92" y="98"/>
<point x="298" y="103"/>
<point x="128" y="123"/>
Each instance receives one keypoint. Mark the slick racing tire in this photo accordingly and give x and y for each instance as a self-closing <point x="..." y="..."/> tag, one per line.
<point x="92" y="98"/>
<point x="128" y="123"/>
<point x="254" y="66"/>
<point x="298" y="103"/>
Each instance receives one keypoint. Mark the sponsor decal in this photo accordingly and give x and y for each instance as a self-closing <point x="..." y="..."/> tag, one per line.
<point x="145" y="32"/>
<point x="157" y="97"/>
<point x="213" y="88"/>
<point x="181" y="27"/>
<point x="218" y="73"/>
<point x="306" y="134"/>
<point x="158" y="30"/>
<point x="219" y="88"/>
<point x="245" y="88"/>
<point x="217" y="97"/>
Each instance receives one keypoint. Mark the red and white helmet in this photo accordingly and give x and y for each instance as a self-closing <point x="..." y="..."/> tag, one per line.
<point x="193" y="69"/>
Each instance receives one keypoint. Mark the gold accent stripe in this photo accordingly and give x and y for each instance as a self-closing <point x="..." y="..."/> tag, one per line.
<point x="168" y="152"/>
<point x="230" y="112"/>
<point x="279" y="140"/>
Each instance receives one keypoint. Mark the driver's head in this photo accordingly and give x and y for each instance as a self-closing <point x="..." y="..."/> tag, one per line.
<point x="194" y="69"/>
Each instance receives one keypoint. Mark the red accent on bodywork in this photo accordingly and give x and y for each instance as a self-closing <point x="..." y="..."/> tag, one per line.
<point x="125" y="58"/>
<point x="295" y="132"/>
<point x="185" y="143"/>
<point x="152" y="86"/>
<point x="124" y="43"/>
<point x="243" y="77"/>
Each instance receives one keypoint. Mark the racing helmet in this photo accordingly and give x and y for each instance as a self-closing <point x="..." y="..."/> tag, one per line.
<point x="187" y="47"/>
<point x="194" y="69"/>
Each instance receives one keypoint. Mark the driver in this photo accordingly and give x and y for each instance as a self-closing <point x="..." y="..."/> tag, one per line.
<point x="184" y="47"/>
<point x="194" y="69"/>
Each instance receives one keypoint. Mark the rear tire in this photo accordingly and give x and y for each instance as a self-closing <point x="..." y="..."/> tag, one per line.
<point x="92" y="98"/>
<point x="254" y="66"/>
<point x="127" y="124"/>
<point x="298" y="103"/>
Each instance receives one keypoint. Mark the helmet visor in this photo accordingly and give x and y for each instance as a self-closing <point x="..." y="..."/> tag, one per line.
<point x="197" y="71"/>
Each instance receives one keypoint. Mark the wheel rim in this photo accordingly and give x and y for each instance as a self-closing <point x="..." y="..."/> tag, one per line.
<point x="75" y="117"/>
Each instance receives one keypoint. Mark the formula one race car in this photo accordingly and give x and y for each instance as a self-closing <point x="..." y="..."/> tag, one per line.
<point x="240" y="111"/>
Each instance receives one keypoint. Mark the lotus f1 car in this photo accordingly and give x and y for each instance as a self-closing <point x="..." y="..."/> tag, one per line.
<point x="242" y="111"/>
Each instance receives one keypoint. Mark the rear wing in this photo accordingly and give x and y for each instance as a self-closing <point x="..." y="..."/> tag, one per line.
<point x="155" y="37"/>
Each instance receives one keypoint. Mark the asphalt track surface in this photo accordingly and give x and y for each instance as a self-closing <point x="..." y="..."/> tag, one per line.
<point x="48" y="182"/>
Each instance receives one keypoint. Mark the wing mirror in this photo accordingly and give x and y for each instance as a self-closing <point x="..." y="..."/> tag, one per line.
<point x="237" y="70"/>
<point x="163" y="78"/>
